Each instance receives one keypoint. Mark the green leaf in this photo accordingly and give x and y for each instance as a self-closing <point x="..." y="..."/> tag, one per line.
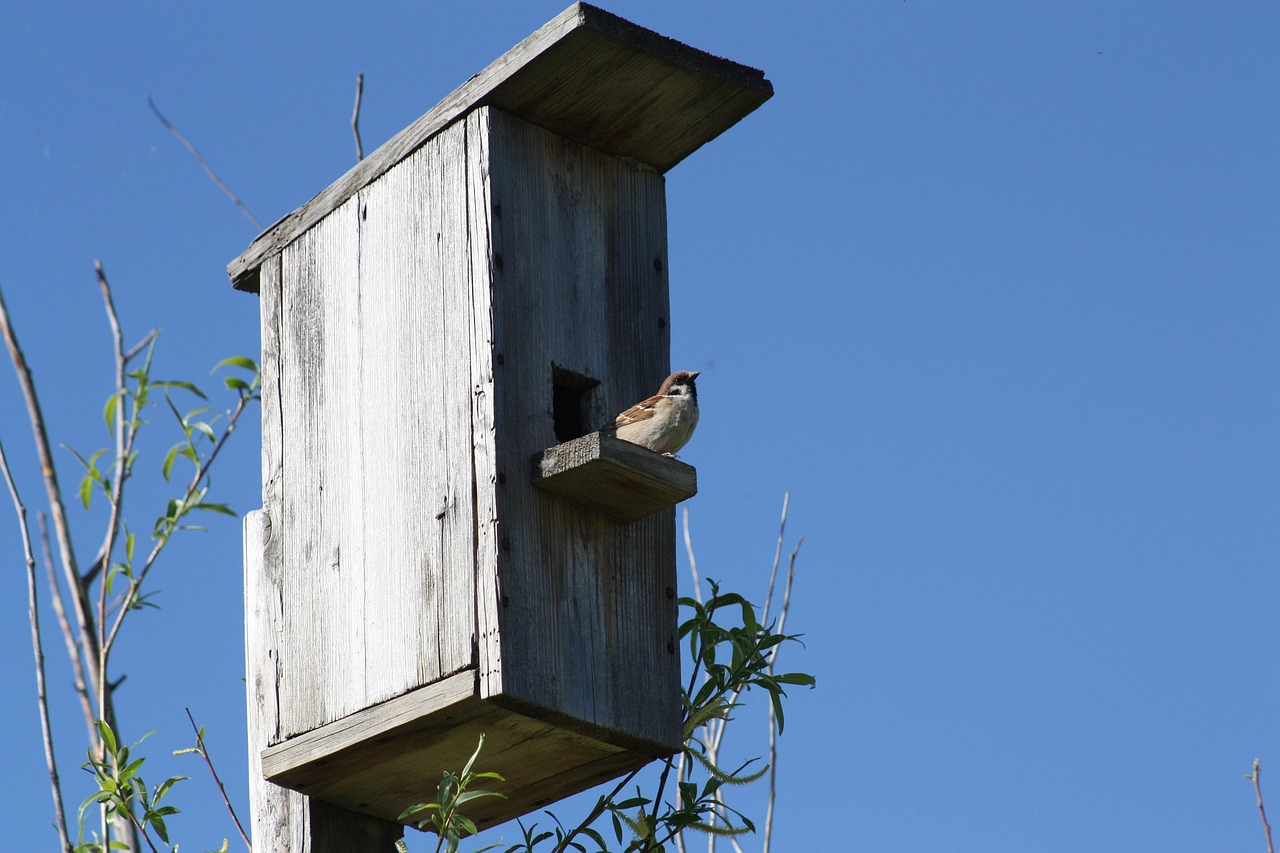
<point x="205" y="428"/>
<point x="158" y="822"/>
<point x="130" y="770"/>
<point x="186" y="386"/>
<point x="108" y="737"/>
<point x="475" y="795"/>
<point x="237" y="361"/>
<point x="799" y="678"/>
<point x="86" y="490"/>
<point x="235" y="383"/>
<point x="219" y="508"/>
<point x="169" y="458"/>
<point x="109" y="412"/>
<point x="163" y="788"/>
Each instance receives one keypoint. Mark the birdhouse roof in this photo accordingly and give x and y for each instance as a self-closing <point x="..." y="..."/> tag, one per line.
<point x="587" y="75"/>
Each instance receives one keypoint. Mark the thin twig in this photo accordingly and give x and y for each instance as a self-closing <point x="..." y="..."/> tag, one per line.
<point x="717" y="733"/>
<point x="71" y="572"/>
<point x="203" y="164"/>
<point x="204" y="753"/>
<point x="141" y="345"/>
<point x="103" y="562"/>
<point x="355" y="116"/>
<point x="773" y="729"/>
<point x="595" y="812"/>
<point x="777" y="557"/>
<point x="135" y="583"/>
<point x="42" y="699"/>
<point x="1257" y="789"/>
<point x="73" y="649"/>
<point x="693" y="561"/>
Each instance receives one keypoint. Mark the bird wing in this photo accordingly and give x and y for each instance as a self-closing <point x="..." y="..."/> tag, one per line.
<point x="641" y="411"/>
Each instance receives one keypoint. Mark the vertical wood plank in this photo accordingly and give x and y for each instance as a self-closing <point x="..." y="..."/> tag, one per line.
<point x="415" y="415"/>
<point x="484" y="378"/>
<point x="278" y="815"/>
<point x="322" y="660"/>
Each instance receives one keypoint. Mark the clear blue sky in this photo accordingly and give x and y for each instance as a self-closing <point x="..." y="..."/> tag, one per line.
<point x="991" y="288"/>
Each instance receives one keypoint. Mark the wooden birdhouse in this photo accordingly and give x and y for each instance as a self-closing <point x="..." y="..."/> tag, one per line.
<point x="446" y="548"/>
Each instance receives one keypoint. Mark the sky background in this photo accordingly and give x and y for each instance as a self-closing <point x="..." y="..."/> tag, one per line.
<point x="990" y="288"/>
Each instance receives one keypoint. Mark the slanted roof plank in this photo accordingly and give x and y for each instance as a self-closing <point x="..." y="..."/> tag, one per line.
<point x="587" y="75"/>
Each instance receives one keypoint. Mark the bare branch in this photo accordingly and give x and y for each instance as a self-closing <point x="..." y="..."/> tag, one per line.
<point x="42" y="699"/>
<point x="103" y="561"/>
<point x="208" y="170"/>
<point x="1256" y="778"/>
<point x="773" y="729"/>
<point x="693" y="561"/>
<point x="777" y="557"/>
<point x="141" y="345"/>
<point x="73" y="649"/>
<point x="71" y="573"/>
<point x="204" y="753"/>
<point x="355" y="116"/>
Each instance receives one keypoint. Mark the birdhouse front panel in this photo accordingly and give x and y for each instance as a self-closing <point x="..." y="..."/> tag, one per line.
<point x="587" y="613"/>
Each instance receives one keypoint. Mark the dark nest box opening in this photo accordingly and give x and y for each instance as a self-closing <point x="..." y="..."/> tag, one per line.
<point x="410" y="584"/>
<point x="571" y="403"/>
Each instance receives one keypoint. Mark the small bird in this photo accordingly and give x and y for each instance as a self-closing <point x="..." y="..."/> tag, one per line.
<point x="663" y="423"/>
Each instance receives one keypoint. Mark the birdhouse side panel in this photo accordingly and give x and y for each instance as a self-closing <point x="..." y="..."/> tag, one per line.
<point x="414" y="401"/>
<point x="588" y="612"/>
<point x="321" y="654"/>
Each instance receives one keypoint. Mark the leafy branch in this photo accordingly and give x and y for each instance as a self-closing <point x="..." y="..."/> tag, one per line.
<point x="733" y="648"/>
<point x="444" y="816"/>
<point x="101" y="597"/>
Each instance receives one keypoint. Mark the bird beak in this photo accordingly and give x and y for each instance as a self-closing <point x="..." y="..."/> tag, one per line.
<point x="693" y="374"/>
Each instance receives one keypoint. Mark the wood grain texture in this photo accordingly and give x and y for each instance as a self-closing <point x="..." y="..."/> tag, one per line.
<point x="278" y="817"/>
<point x="322" y="649"/>
<point x="587" y="75"/>
<point x="378" y="519"/>
<point x="588" y="611"/>
<point x="614" y="477"/>
<point x="484" y="463"/>
<point x="414" y="405"/>
<point x="391" y="756"/>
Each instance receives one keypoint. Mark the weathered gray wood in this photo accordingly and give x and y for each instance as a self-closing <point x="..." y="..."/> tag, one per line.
<point x="579" y="264"/>
<point x="323" y="646"/>
<point x="414" y="407"/>
<point x="291" y="762"/>
<point x="391" y="756"/>
<point x="278" y="816"/>
<point x="483" y="437"/>
<point x="570" y="76"/>
<point x="617" y="478"/>
<point x="281" y="820"/>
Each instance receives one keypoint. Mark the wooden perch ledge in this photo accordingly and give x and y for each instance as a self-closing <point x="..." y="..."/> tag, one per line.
<point x="616" y="478"/>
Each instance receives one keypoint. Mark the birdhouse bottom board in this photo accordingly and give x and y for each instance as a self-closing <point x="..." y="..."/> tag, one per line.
<point x="384" y="759"/>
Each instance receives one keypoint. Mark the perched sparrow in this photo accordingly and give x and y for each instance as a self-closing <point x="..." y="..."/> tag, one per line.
<point x="663" y="423"/>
